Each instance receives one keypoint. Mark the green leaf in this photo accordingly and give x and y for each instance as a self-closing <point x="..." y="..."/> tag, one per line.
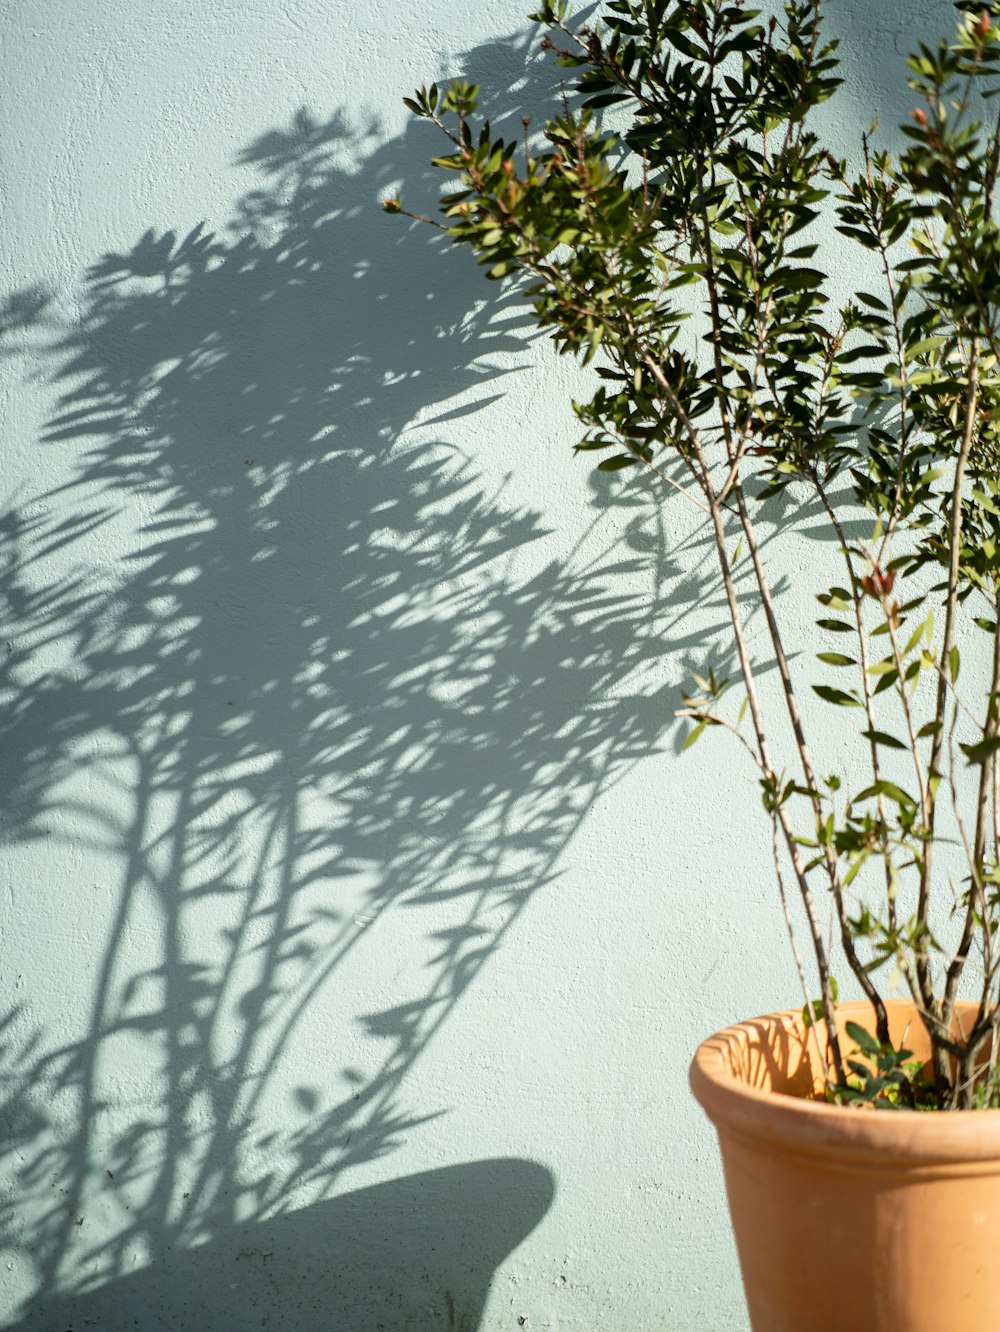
<point x="925" y="345"/>
<point x="890" y="789"/>
<point x="616" y="464"/>
<point x="916" y="636"/>
<point x="835" y="659"/>
<point x="857" y="865"/>
<point x="836" y="626"/>
<point x="882" y="738"/>
<point x="692" y="736"/>
<point x="837" y="696"/>
<point x="886" y="682"/>
<point x="837" y="598"/>
<point x="864" y="1040"/>
<point x="985" y="502"/>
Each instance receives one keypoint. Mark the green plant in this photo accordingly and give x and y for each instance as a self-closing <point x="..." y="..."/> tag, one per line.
<point x="696" y="197"/>
<point x="891" y="1078"/>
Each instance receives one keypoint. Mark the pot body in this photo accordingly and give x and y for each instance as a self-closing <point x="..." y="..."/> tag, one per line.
<point x="845" y="1218"/>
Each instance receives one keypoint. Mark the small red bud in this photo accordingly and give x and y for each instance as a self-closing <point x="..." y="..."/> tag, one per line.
<point x="879" y="584"/>
<point x="920" y="116"/>
<point x="983" y="26"/>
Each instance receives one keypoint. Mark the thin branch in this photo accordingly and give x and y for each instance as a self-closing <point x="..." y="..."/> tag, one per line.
<point x="792" y="939"/>
<point x="954" y="555"/>
<point x="714" y="719"/>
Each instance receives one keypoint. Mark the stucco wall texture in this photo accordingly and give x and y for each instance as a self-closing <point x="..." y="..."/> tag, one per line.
<point x="358" y="916"/>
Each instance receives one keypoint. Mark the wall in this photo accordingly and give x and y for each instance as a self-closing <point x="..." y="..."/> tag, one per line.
<point x="353" y="938"/>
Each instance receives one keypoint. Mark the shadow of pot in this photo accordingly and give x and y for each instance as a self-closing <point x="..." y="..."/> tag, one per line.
<point x="410" y="1255"/>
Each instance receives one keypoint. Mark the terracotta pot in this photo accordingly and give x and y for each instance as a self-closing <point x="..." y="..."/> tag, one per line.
<point x="851" y="1220"/>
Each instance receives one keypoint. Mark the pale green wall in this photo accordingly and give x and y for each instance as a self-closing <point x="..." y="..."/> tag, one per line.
<point x="350" y="876"/>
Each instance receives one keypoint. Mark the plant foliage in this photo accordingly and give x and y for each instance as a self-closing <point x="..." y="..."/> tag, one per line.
<point x="697" y="195"/>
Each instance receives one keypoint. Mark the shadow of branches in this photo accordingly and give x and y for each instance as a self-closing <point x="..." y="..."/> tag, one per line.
<point x="287" y="673"/>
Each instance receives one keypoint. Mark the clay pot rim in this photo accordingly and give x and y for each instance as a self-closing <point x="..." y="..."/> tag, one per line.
<point x="842" y="1133"/>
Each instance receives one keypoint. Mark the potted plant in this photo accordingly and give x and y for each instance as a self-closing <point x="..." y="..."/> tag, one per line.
<point x="680" y="249"/>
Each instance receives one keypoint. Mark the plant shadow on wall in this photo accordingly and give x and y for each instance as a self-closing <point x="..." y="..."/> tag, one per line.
<point x="336" y="700"/>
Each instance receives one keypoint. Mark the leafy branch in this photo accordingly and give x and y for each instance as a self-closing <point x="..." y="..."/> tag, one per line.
<point x="698" y="199"/>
